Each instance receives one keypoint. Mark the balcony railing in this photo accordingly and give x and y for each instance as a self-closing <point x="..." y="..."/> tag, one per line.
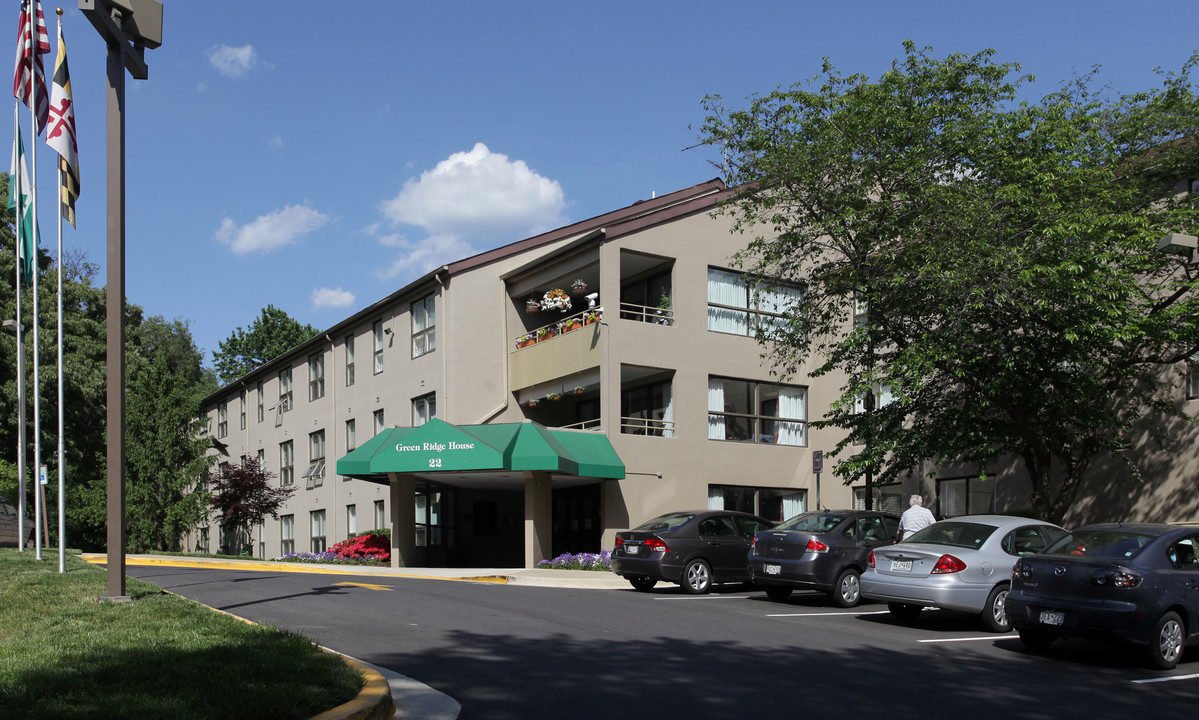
<point x="646" y="426"/>
<point x="558" y="327"/>
<point x="645" y="313"/>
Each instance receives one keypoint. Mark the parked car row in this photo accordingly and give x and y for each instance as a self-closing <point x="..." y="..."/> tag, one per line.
<point x="9" y="525"/>
<point x="1136" y="583"/>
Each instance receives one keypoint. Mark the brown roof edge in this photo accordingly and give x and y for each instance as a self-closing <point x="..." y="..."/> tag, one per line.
<point x="699" y="204"/>
<point x="636" y="210"/>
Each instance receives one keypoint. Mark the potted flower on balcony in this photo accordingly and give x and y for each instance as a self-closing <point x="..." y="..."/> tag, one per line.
<point x="546" y="333"/>
<point x="573" y="323"/>
<point x="555" y="299"/>
<point x="526" y="340"/>
<point x="591" y="316"/>
<point x="532" y="306"/>
<point x="532" y="402"/>
<point x="579" y="389"/>
<point x="553" y="396"/>
<point x="578" y="288"/>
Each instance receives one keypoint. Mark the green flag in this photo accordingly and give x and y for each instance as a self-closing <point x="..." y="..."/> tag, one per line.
<point x="18" y="182"/>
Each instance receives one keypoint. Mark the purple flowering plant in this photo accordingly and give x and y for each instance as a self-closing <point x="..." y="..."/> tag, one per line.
<point x="601" y="561"/>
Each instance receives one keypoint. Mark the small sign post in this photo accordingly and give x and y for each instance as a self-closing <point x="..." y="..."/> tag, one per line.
<point x="817" y="467"/>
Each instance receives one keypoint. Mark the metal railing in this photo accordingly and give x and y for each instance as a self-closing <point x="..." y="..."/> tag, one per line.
<point x="558" y="327"/>
<point x="645" y="313"/>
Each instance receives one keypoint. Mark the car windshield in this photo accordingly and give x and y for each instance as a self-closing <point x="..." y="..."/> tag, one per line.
<point x="664" y="522"/>
<point x="1104" y="544"/>
<point x="957" y="534"/>
<point x="812" y="522"/>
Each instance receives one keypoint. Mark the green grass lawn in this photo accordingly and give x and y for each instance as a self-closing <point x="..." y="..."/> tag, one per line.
<point x="64" y="654"/>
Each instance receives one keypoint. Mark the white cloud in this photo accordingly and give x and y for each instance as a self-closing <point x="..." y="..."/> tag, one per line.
<point x="417" y="258"/>
<point x="232" y="61"/>
<point x="478" y="196"/>
<point x="331" y="298"/>
<point x="275" y="142"/>
<point x="271" y="231"/>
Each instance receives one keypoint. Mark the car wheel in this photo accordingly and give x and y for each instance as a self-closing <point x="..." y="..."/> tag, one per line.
<point x="1036" y="640"/>
<point x="904" y="612"/>
<point x="697" y="577"/>
<point x="994" y="614"/>
<point x="848" y="590"/>
<point x="643" y="584"/>
<point x="778" y="593"/>
<point x="1165" y="645"/>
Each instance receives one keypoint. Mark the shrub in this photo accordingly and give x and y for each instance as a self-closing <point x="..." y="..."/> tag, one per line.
<point x="583" y="561"/>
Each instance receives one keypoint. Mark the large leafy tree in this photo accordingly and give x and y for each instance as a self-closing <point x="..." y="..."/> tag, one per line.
<point x="243" y="495"/>
<point x="272" y="333"/>
<point x="166" y="461"/>
<point x="1006" y="255"/>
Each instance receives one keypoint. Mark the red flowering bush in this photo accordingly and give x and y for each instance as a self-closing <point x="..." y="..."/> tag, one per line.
<point x="372" y="546"/>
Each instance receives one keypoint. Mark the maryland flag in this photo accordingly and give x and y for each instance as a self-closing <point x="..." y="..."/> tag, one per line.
<point x="60" y="134"/>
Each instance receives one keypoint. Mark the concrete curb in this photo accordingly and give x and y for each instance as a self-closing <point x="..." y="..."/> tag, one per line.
<point x="374" y="701"/>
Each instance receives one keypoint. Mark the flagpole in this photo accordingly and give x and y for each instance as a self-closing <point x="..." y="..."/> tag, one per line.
<point x="62" y="502"/>
<point x="34" y="7"/>
<point x="21" y="449"/>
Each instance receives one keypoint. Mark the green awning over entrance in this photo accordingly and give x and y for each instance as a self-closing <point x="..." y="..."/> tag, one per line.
<point x="438" y="446"/>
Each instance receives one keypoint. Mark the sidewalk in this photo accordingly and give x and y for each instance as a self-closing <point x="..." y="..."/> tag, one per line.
<point x="388" y="694"/>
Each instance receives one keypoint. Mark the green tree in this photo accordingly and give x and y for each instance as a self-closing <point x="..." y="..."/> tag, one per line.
<point x="165" y="437"/>
<point x="244" y="495"/>
<point x="1006" y="254"/>
<point x="272" y="333"/>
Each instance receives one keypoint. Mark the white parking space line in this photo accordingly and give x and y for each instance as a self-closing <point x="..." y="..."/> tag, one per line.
<point x="968" y="639"/>
<point x="706" y="597"/>
<point x="1168" y="679"/>
<point x="826" y="614"/>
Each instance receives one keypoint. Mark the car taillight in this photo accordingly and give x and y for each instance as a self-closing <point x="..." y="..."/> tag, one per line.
<point x="948" y="564"/>
<point x="656" y="545"/>
<point x="1118" y="578"/>
<point x="815" y="545"/>
<point x="870" y="559"/>
<point x="619" y="542"/>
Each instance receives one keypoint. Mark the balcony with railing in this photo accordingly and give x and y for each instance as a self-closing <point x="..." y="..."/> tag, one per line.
<point x="556" y="350"/>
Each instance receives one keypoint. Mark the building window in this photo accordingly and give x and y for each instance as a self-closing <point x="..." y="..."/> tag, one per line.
<point x="380" y="515"/>
<point x="351" y="520"/>
<point x="424" y="326"/>
<point x="287" y="534"/>
<point x="314" y="475"/>
<point x="774" y="504"/>
<point x="739" y="307"/>
<point x="261" y="403"/>
<point x="316" y="376"/>
<point x="1193" y="378"/>
<point x="349" y="360"/>
<point x="378" y="416"/>
<point x="647" y="410"/>
<point x="648" y="299"/>
<point x="318" y="531"/>
<point x="287" y="459"/>
<point x="964" y="496"/>
<point x="377" y="334"/>
<point x="202" y="540"/>
<point x="222" y="419"/>
<point x="748" y="411"/>
<point x="887" y="498"/>
<point x="243" y="409"/>
<point x="285" y="390"/>
<point x="351" y="440"/>
<point x="261" y="457"/>
<point x="424" y="409"/>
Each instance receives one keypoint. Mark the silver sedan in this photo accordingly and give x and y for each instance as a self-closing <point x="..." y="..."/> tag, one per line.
<point x="963" y="564"/>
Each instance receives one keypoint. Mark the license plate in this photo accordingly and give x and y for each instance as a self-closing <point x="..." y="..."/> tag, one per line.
<point x="1052" y="617"/>
<point x="631" y="549"/>
<point x="773" y="569"/>
<point x="901" y="566"/>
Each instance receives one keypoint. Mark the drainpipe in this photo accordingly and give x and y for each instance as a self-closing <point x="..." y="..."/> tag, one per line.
<point x="445" y="345"/>
<point x="331" y="443"/>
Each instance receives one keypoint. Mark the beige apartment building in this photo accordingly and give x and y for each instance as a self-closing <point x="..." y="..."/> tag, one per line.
<point x="486" y="433"/>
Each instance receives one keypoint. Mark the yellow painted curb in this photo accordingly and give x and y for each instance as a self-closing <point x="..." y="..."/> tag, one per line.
<point x="264" y="566"/>
<point x="374" y="701"/>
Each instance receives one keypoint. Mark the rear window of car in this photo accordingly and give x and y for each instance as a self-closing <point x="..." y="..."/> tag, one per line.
<point x="811" y="522"/>
<point x="1104" y="544"/>
<point x="956" y="534"/>
<point x="664" y="522"/>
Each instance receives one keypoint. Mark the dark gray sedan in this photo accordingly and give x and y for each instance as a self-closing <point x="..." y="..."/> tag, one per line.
<point x="692" y="548"/>
<point x="823" y="551"/>
<point x="9" y="525"/>
<point x="1135" y="583"/>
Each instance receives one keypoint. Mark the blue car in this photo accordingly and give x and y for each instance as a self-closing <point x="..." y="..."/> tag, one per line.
<point x="1132" y="583"/>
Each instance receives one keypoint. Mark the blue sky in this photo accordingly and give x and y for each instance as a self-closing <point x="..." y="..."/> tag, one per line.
<point x="319" y="155"/>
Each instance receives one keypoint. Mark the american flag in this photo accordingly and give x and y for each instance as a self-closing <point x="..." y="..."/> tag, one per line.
<point x="29" y="53"/>
<point x="60" y="135"/>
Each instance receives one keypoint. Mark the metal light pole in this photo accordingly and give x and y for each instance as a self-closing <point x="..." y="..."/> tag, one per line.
<point x="128" y="28"/>
<point x="868" y="403"/>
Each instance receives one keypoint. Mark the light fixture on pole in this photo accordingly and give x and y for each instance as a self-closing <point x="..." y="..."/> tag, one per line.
<point x="128" y="28"/>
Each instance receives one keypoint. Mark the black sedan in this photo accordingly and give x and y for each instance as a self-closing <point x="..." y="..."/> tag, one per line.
<point x="694" y="549"/>
<point x="1134" y="583"/>
<point x="823" y="551"/>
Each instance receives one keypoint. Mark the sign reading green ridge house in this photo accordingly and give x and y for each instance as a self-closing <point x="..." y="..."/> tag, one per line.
<point x="438" y="446"/>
